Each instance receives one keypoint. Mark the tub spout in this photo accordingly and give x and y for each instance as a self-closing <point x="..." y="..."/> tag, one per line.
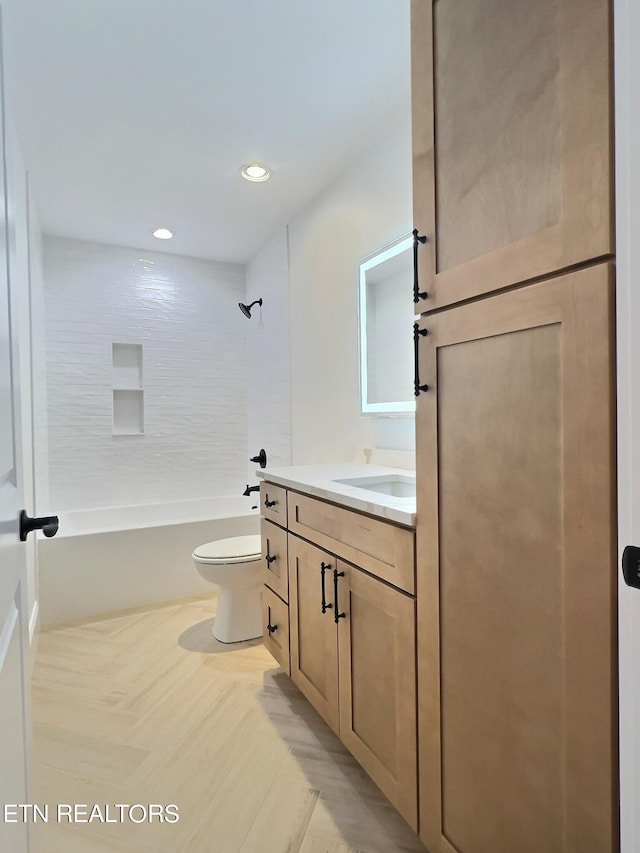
<point x="250" y="489"/>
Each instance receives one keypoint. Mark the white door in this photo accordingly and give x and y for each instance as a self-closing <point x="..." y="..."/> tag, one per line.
<point x="13" y="613"/>
<point x="627" y="34"/>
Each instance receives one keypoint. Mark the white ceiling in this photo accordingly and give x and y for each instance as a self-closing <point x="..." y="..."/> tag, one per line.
<point x="139" y="113"/>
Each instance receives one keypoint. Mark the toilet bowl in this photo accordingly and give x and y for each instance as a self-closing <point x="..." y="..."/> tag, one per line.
<point x="234" y="565"/>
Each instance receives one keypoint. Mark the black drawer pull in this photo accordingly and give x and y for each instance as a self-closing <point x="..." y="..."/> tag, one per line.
<point x="270" y="628"/>
<point x="417" y="334"/>
<point x="269" y="558"/>
<point x="337" y="614"/>
<point x="417" y="293"/>
<point x="269" y="503"/>
<point x="324" y="567"/>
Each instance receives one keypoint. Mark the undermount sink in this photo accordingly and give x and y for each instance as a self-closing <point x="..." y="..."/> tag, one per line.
<point x="395" y="485"/>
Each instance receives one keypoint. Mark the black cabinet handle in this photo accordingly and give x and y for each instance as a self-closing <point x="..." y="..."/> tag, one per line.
<point x="324" y="567"/>
<point x="270" y="628"/>
<point x="47" y="523"/>
<point x="417" y="293"/>
<point x="269" y="558"/>
<point x="417" y="334"/>
<point x="337" y="614"/>
<point x="269" y="503"/>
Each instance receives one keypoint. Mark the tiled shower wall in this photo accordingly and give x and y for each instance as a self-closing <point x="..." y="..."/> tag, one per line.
<point x="185" y="314"/>
<point x="268" y="348"/>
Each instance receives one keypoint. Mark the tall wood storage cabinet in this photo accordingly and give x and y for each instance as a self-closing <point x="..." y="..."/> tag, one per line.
<point x="516" y="575"/>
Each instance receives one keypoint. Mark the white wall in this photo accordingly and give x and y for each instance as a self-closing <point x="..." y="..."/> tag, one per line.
<point x="368" y="206"/>
<point x="627" y="61"/>
<point x="185" y="314"/>
<point x="268" y="380"/>
<point x="19" y="267"/>
<point x="38" y="365"/>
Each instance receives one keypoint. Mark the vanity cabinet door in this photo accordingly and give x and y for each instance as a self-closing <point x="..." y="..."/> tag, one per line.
<point x="377" y="674"/>
<point x="274" y="558"/>
<point x="314" y="638"/>
<point x="273" y="503"/>
<point x="275" y="628"/>
<point x="516" y="571"/>
<point x="512" y="138"/>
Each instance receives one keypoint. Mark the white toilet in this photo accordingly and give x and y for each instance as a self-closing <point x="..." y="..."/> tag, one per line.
<point x="234" y="565"/>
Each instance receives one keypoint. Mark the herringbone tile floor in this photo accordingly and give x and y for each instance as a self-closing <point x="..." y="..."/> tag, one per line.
<point x="147" y="707"/>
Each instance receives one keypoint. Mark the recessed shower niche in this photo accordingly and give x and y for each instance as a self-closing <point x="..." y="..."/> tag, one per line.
<point x="128" y="391"/>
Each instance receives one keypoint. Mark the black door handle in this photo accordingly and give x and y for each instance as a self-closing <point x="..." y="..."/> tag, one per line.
<point x="337" y="615"/>
<point x="324" y="567"/>
<point x="417" y="334"/>
<point x="269" y="557"/>
<point x="269" y="503"/>
<point x="47" y="523"/>
<point x="631" y="566"/>
<point x="417" y="293"/>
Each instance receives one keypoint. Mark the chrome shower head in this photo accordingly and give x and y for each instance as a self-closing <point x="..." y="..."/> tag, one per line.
<point x="246" y="309"/>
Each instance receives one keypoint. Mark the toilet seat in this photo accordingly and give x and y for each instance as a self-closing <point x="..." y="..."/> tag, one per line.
<point x="238" y="549"/>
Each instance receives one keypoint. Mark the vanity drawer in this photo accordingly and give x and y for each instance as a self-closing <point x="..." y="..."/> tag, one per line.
<point x="379" y="547"/>
<point x="274" y="558"/>
<point x="275" y="626"/>
<point x="273" y="503"/>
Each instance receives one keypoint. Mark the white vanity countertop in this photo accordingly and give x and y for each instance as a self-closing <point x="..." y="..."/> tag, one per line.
<point x="318" y="480"/>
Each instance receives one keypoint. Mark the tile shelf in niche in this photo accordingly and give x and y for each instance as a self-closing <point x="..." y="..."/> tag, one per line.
<point x="128" y="392"/>
<point x="127" y="366"/>
<point x="128" y="412"/>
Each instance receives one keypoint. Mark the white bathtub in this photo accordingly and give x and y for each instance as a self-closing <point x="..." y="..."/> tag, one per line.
<point x="105" y="560"/>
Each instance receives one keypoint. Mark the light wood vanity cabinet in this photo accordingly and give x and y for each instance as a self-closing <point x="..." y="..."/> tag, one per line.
<point x="273" y="503"/>
<point x="516" y="572"/>
<point x="274" y="558"/>
<point x="515" y="434"/>
<point x="314" y="646"/>
<point x="377" y="676"/>
<point x="512" y="136"/>
<point x="275" y="618"/>
<point x="358" y="670"/>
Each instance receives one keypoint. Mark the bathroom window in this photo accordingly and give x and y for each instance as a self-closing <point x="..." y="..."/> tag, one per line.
<point x="128" y="391"/>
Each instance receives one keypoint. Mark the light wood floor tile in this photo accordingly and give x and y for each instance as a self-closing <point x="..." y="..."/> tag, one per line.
<point x="293" y="804"/>
<point x="96" y="758"/>
<point x="235" y="806"/>
<point x="366" y="826"/>
<point x="147" y="707"/>
<point x="334" y="773"/>
<point x="320" y="845"/>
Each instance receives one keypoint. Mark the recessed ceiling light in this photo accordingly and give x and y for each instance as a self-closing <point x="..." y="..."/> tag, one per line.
<point x="255" y="172"/>
<point x="163" y="234"/>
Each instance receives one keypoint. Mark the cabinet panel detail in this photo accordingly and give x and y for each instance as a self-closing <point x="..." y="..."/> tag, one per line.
<point x="274" y="558"/>
<point x="381" y="548"/>
<point x="512" y="129"/>
<point x="378" y="685"/>
<point x="273" y="503"/>
<point x="275" y="621"/>
<point x="314" y="640"/>
<point x="517" y="574"/>
<point x="497" y="125"/>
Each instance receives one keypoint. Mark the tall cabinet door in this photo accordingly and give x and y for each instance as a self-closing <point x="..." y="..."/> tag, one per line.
<point x="313" y="635"/>
<point x="516" y="572"/>
<point x="512" y="141"/>
<point x="376" y="639"/>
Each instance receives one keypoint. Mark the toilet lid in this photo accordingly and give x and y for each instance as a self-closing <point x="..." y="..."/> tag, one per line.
<point x="239" y="549"/>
